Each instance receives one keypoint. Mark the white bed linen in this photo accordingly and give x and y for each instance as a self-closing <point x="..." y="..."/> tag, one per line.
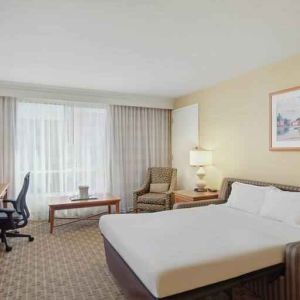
<point x="179" y="250"/>
<point x="248" y="197"/>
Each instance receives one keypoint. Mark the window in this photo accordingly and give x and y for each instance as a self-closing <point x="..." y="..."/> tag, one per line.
<point x="63" y="146"/>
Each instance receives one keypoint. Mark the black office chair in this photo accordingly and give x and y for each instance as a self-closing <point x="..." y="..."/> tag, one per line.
<point x="16" y="217"/>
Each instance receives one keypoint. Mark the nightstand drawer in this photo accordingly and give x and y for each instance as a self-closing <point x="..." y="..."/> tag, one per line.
<point x="181" y="198"/>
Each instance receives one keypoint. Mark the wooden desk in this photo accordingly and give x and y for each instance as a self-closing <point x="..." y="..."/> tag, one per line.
<point x="186" y="196"/>
<point x="65" y="203"/>
<point x="3" y="193"/>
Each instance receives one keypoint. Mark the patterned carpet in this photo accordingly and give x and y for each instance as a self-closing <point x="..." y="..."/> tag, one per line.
<point x="70" y="264"/>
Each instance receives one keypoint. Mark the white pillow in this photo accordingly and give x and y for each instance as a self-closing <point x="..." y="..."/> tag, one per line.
<point x="282" y="206"/>
<point x="293" y="220"/>
<point x="159" y="187"/>
<point x="247" y="197"/>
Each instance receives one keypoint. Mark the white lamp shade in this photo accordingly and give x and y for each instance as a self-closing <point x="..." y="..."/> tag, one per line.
<point x="200" y="157"/>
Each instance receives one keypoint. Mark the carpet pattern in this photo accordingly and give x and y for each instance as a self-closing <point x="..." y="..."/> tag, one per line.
<point x="68" y="265"/>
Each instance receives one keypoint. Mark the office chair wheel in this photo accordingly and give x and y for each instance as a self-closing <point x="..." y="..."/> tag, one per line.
<point x="31" y="238"/>
<point x="8" y="248"/>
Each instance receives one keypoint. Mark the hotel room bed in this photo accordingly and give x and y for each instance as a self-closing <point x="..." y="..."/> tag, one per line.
<point x="194" y="251"/>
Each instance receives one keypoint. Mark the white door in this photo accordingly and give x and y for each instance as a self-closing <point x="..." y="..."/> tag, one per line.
<point x="184" y="138"/>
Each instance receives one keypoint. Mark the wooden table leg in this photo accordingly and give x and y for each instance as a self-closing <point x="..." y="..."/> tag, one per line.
<point x="117" y="208"/>
<point x="51" y="218"/>
<point x="109" y="209"/>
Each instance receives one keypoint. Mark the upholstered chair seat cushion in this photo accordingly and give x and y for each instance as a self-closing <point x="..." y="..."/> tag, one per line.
<point x="153" y="198"/>
<point x="146" y="199"/>
<point x="144" y="207"/>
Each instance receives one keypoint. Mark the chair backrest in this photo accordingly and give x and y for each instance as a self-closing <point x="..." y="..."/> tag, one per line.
<point x="21" y="200"/>
<point x="161" y="175"/>
<point x="227" y="183"/>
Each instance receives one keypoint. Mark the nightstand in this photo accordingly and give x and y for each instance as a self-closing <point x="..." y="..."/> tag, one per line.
<point x="187" y="196"/>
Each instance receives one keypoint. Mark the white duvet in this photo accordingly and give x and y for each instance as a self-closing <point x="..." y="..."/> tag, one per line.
<point x="180" y="250"/>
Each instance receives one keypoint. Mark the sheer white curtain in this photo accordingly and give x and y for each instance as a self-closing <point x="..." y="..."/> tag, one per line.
<point x="7" y="141"/>
<point x="108" y="149"/>
<point x="63" y="146"/>
<point x="139" y="138"/>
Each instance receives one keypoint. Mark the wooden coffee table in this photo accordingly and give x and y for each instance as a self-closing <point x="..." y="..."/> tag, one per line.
<point x="62" y="203"/>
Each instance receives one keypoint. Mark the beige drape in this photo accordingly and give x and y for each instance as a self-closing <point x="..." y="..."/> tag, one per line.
<point x="7" y="141"/>
<point x="139" y="138"/>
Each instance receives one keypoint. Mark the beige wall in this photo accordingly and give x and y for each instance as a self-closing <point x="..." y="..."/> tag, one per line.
<point x="234" y="122"/>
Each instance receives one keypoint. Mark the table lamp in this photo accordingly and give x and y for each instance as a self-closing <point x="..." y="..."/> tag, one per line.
<point x="200" y="158"/>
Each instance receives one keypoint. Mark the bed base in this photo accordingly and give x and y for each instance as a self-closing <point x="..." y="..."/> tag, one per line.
<point x="267" y="283"/>
<point x="279" y="282"/>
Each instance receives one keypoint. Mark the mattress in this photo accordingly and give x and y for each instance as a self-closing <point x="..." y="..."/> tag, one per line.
<point x="180" y="250"/>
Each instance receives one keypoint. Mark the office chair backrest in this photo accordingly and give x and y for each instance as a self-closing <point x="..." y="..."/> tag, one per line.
<point x="21" y="200"/>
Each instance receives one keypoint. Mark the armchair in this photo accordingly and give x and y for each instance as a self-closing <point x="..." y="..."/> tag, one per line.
<point x="144" y="200"/>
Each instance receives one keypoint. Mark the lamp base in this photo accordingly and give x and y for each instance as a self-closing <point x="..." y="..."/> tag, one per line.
<point x="201" y="184"/>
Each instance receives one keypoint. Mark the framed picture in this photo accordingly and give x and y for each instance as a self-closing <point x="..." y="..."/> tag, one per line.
<point x="285" y="120"/>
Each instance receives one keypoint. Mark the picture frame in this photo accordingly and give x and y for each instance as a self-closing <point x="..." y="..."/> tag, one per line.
<point x="285" y="120"/>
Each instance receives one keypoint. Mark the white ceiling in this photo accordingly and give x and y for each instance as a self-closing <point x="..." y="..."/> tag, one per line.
<point x="151" y="47"/>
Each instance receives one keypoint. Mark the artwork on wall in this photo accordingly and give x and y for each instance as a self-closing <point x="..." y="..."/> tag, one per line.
<point x="285" y="120"/>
